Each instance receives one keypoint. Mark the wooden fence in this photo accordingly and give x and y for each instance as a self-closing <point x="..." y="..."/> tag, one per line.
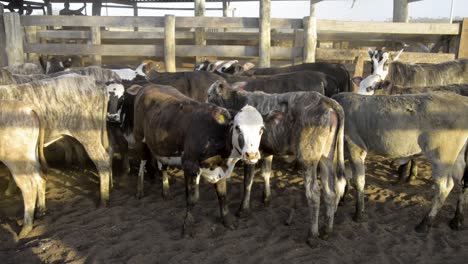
<point x="172" y="37"/>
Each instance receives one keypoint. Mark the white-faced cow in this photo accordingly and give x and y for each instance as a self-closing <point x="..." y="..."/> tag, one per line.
<point x="21" y="150"/>
<point x="201" y="138"/>
<point x="403" y="126"/>
<point x="306" y="125"/>
<point x="75" y="106"/>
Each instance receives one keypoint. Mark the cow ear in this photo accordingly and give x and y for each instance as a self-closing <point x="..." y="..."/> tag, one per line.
<point x="222" y="116"/>
<point x="220" y="87"/>
<point x="357" y="80"/>
<point x="134" y="89"/>
<point x="371" y="52"/>
<point x="387" y="86"/>
<point x="247" y="66"/>
<point x="274" y="116"/>
<point x="239" y="86"/>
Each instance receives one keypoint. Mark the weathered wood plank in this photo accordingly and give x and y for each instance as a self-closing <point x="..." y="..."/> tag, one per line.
<point x="406" y="57"/>
<point x="88" y="49"/>
<point x="169" y="44"/>
<point x="463" y="48"/>
<point x="388" y="27"/>
<point x="265" y="34"/>
<point x="200" y="38"/>
<point x="217" y="22"/>
<point x="31" y="37"/>
<point x="14" y="38"/>
<point x="93" y="21"/>
<point x="359" y="65"/>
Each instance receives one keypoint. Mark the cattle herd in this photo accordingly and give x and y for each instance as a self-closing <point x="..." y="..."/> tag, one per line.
<point x="207" y="120"/>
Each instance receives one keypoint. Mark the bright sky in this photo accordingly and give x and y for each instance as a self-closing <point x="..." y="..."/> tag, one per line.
<point x="363" y="10"/>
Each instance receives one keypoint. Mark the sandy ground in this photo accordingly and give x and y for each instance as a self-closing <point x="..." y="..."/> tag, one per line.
<point x="149" y="230"/>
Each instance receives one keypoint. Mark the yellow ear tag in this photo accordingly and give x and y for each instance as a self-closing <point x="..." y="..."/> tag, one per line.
<point x="221" y="119"/>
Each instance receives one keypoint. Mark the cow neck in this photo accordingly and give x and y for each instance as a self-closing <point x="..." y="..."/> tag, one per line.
<point x="236" y="100"/>
<point x="229" y="146"/>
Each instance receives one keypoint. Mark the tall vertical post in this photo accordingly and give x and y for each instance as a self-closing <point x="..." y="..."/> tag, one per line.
<point x="169" y="43"/>
<point x="310" y="34"/>
<point x="31" y="37"/>
<point x="225" y="8"/>
<point x="265" y="34"/>
<point x="14" y="38"/>
<point x="3" y="52"/>
<point x="96" y="40"/>
<point x="135" y="13"/>
<point x="400" y="11"/>
<point x="200" y="38"/>
<point x="49" y="7"/>
<point x="463" y="48"/>
<point x="97" y="5"/>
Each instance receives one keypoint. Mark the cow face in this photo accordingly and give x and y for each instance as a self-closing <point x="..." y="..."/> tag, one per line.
<point x="246" y="131"/>
<point x="368" y="85"/>
<point x="147" y="66"/>
<point x="379" y="62"/>
<point x="115" y="92"/>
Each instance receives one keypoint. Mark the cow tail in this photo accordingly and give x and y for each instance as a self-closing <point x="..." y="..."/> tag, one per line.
<point x="341" y="182"/>
<point x="40" y="145"/>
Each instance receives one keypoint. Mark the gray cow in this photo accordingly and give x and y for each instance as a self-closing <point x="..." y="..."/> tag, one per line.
<point x="21" y="150"/>
<point x="74" y="106"/>
<point x="306" y="125"/>
<point x="403" y="126"/>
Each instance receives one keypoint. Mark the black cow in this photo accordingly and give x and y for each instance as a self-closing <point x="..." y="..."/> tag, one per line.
<point x="201" y="138"/>
<point x="306" y="125"/>
<point x="403" y="126"/>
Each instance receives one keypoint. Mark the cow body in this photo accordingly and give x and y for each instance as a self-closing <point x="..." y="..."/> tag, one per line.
<point x="306" y="125"/>
<point x="390" y="89"/>
<point x="435" y="125"/>
<point x="21" y="150"/>
<point x="25" y="69"/>
<point x="179" y="131"/>
<point x="75" y="107"/>
<point x="192" y="84"/>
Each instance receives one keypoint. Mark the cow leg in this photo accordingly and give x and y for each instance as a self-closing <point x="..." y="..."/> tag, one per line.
<point x="329" y="195"/>
<point x="457" y="223"/>
<point x="357" y="159"/>
<point x="11" y="189"/>
<point x="141" y="179"/>
<point x="443" y="185"/>
<point x="249" y="173"/>
<point x="221" y="191"/>
<point x="414" y="171"/>
<point x="404" y="172"/>
<point x="29" y="191"/>
<point x="41" y="190"/>
<point x="100" y="157"/>
<point x="192" y="195"/>
<point x="312" y="191"/>
<point x="166" y="187"/>
<point x="266" y="173"/>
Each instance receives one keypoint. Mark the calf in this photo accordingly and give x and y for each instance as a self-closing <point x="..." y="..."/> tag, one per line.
<point x="308" y="126"/>
<point x="74" y="106"/>
<point x="199" y="137"/>
<point x="21" y="150"/>
<point x="435" y="125"/>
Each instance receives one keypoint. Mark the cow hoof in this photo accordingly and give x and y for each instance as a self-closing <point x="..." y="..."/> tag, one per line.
<point x="312" y="240"/>
<point x="266" y="201"/>
<point x="188" y="228"/>
<point x="139" y="195"/>
<point x="456" y="223"/>
<point x="424" y="226"/>
<point x="167" y="196"/>
<point x="325" y="233"/>
<point x="229" y="221"/>
<point x="25" y="231"/>
<point x="360" y="217"/>
<point x="39" y="214"/>
<point x="104" y="204"/>
<point x="243" y="213"/>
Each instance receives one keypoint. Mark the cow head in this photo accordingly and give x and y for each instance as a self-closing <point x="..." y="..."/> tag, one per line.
<point x="147" y="66"/>
<point x="246" y="132"/>
<point x="222" y="94"/>
<point x="368" y="85"/>
<point x="115" y="92"/>
<point x="380" y="59"/>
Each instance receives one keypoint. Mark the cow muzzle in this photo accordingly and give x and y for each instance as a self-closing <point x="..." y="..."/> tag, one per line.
<point x="251" y="157"/>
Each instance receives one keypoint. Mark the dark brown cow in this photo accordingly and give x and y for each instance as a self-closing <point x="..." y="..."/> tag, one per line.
<point x="201" y="138"/>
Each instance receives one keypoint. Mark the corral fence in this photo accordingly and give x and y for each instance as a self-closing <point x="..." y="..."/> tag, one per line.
<point x="171" y="37"/>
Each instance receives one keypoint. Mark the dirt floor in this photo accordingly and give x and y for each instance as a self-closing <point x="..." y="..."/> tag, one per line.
<point x="149" y="230"/>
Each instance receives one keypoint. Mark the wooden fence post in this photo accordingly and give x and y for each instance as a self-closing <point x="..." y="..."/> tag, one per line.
<point x="169" y="43"/>
<point x="310" y="38"/>
<point x="298" y="41"/>
<point x="265" y="34"/>
<point x="96" y="40"/>
<point x="463" y="47"/>
<point x="14" y="38"/>
<point x="3" y="53"/>
<point x="31" y="37"/>
<point x="400" y="11"/>
<point x="200" y="34"/>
